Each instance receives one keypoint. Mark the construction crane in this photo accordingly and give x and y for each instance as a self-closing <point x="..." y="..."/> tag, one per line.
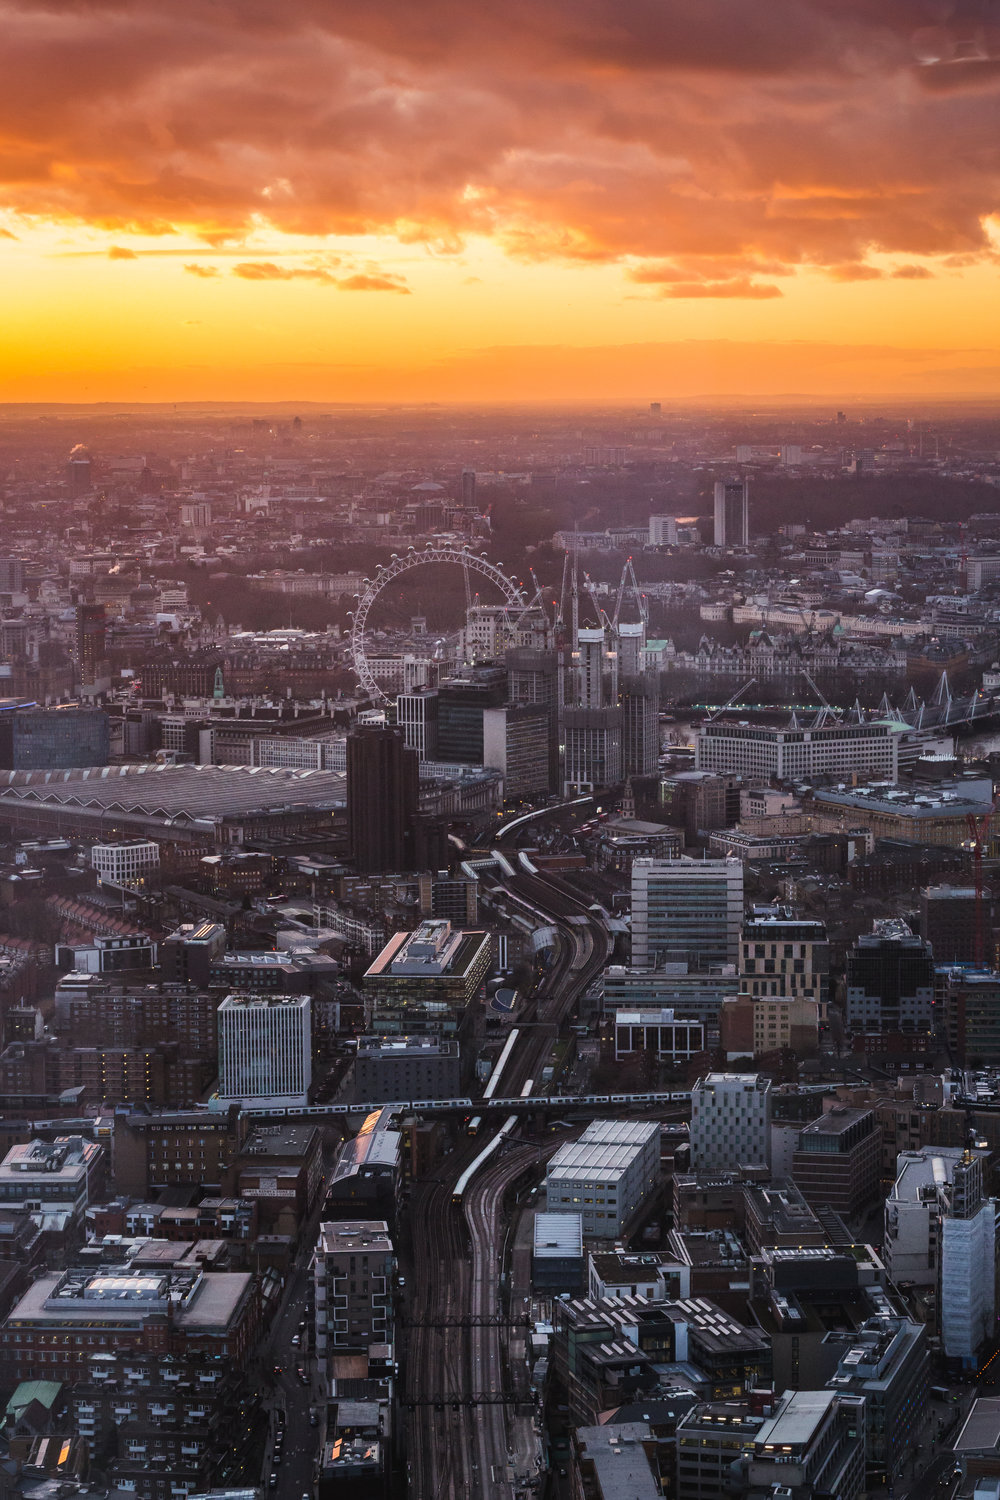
<point x="602" y="621"/>
<point x="979" y="832"/>
<point x="730" y="701"/>
<point x="629" y="581"/>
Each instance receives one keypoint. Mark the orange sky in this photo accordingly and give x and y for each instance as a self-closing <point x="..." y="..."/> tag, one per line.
<point x="300" y="199"/>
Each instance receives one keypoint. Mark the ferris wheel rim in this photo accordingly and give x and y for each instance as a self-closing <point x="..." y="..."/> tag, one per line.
<point x="401" y="563"/>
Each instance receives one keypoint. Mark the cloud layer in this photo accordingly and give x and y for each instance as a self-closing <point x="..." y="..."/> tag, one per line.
<point x="709" y="145"/>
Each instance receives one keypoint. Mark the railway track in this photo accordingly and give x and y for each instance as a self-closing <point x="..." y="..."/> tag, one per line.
<point x="457" y="1341"/>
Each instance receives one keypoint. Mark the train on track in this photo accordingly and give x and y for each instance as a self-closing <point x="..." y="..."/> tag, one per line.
<point x="506" y="1129"/>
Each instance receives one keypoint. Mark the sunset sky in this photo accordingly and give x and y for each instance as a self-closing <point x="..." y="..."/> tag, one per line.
<point x="309" y="200"/>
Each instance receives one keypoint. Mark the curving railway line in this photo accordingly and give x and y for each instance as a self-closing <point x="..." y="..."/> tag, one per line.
<point x="459" y="1393"/>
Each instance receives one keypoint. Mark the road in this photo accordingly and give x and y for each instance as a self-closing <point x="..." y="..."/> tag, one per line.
<point x="276" y="1364"/>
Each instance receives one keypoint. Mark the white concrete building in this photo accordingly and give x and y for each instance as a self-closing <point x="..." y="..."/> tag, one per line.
<point x="265" y="1048"/>
<point x="663" y="531"/>
<point x="686" y="911"/>
<point x="796" y="752"/>
<point x="606" y="1175"/>
<point x="127" y="866"/>
<point x="730" y="1122"/>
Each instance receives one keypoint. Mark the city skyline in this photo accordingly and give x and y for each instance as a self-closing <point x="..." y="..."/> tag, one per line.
<point x="597" y="204"/>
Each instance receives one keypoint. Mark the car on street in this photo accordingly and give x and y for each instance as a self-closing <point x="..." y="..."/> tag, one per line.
<point x="296" y="1340"/>
<point x="272" y="1482"/>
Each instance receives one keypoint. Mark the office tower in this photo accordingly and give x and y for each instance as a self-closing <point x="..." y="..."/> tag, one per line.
<point x="732" y="513"/>
<point x="606" y="1175"/>
<point x="811" y="1445"/>
<point x="730" y="1122"/>
<point x="382" y="798"/>
<point x="535" y="676"/>
<point x="53" y="739"/>
<point x="790" y="455"/>
<point x="782" y="954"/>
<point x="130" y="865"/>
<point x="790" y="753"/>
<point x="469" y="488"/>
<point x="11" y="575"/>
<point x="640" y="710"/>
<point x="885" y="1362"/>
<point x="592" y="749"/>
<point x="686" y="911"/>
<point x="663" y="531"/>
<point x="79" y="471"/>
<point x="461" y="703"/>
<point x="890" y="981"/>
<point x="968" y="1265"/>
<point x="939" y="1233"/>
<point x="972" y="1017"/>
<point x="425" y="981"/>
<point x="417" y="717"/>
<point x="353" y="1270"/>
<point x="837" y="1162"/>
<point x="90" y="631"/>
<point x="265" y="1048"/>
<point x="948" y="921"/>
<point x="516" y="743"/>
<point x="655" y="408"/>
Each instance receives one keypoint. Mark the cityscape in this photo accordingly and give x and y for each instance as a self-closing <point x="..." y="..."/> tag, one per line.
<point x="500" y="750"/>
<point x="499" y="954"/>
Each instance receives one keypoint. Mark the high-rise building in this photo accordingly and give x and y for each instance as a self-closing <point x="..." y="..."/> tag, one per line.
<point x="416" y="716"/>
<point x="469" y="488"/>
<point x="939" y="1232"/>
<point x="836" y="1164"/>
<point x="663" y="531"/>
<point x="732" y="513"/>
<point x="890" y="981"/>
<point x="886" y="1361"/>
<point x="53" y="739"/>
<point x="265" y="1048"/>
<point x="516" y="743"/>
<point x="90" y="638"/>
<point x="640" y="709"/>
<point x="11" y="575"/>
<point x="967" y="1289"/>
<point x="79" y="471"/>
<point x="534" y="675"/>
<point x="781" y="954"/>
<point x="595" y="664"/>
<point x="686" y="911"/>
<point x="730" y="1122"/>
<point x="948" y="922"/>
<point x="461" y="704"/>
<point x="972" y="1016"/>
<point x="592" y="749"/>
<point x="382" y="798"/>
